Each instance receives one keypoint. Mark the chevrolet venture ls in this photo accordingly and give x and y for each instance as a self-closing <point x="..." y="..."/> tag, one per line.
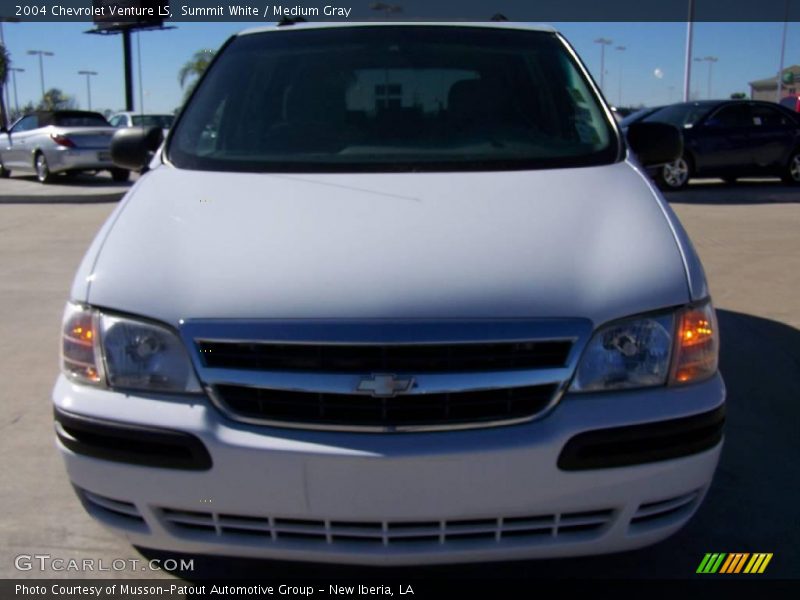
<point x="392" y="294"/>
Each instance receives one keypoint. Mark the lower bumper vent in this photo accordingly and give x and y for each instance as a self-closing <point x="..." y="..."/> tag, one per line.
<point x="537" y="528"/>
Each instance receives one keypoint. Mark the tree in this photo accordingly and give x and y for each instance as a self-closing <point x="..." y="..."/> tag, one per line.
<point x="738" y="96"/>
<point x="5" y="61"/>
<point x="192" y="70"/>
<point x="55" y="99"/>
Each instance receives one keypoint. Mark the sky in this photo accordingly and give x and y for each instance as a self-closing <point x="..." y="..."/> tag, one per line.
<point x="746" y="52"/>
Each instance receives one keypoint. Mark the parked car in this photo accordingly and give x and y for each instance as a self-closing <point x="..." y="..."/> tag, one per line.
<point x="791" y="102"/>
<point x="49" y="143"/>
<point x="637" y="116"/>
<point x="731" y="139"/>
<point x="413" y="302"/>
<point x="133" y="119"/>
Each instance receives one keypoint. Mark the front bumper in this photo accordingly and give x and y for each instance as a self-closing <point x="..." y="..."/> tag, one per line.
<point x="393" y="499"/>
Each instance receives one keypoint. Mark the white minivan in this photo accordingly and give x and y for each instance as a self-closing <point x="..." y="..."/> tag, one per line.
<point x="392" y="294"/>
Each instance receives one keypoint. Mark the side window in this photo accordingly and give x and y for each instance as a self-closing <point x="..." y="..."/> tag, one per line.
<point x="766" y="116"/>
<point x="26" y="124"/>
<point x="737" y="115"/>
<point x="116" y="121"/>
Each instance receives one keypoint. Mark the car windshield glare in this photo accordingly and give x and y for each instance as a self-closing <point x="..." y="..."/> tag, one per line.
<point x="393" y="98"/>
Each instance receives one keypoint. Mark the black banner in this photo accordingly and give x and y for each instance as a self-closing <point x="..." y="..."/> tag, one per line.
<point x="409" y="589"/>
<point x="261" y="11"/>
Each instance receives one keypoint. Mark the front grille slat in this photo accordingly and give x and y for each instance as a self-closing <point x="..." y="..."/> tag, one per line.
<point x="358" y="410"/>
<point x="422" y="358"/>
<point x="489" y="531"/>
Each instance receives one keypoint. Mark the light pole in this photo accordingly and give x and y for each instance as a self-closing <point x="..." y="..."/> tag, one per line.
<point x="710" y="60"/>
<point x="603" y="43"/>
<point x="41" y="53"/>
<point x="687" y="71"/>
<point x="620" y="49"/>
<point x="88" y="84"/>
<point x="779" y="81"/>
<point x="14" y="71"/>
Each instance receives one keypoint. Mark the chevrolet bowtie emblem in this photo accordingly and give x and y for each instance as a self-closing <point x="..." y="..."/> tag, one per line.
<point x="385" y="386"/>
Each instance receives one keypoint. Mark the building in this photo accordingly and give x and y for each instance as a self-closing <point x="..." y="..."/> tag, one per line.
<point x="764" y="89"/>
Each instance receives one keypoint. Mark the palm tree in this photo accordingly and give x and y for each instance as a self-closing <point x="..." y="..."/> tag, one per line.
<point x="195" y="66"/>
<point x="5" y="60"/>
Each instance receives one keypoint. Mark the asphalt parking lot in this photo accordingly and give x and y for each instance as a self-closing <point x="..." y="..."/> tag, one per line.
<point x="748" y="236"/>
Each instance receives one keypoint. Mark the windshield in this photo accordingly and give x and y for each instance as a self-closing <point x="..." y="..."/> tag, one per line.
<point x="163" y="121"/>
<point x="393" y="98"/>
<point x="80" y="120"/>
<point x="680" y="115"/>
<point x="638" y="115"/>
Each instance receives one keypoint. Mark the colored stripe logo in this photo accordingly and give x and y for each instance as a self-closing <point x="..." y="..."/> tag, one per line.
<point x="734" y="563"/>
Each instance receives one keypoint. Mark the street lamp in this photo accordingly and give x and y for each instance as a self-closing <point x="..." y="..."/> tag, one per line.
<point x="14" y="71"/>
<point x="620" y="49"/>
<point x="710" y="60"/>
<point x="603" y="43"/>
<point x="41" y="53"/>
<point x="88" y="84"/>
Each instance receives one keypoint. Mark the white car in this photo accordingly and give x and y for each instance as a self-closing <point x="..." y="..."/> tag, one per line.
<point x="414" y="301"/>
<point x="133" y="119"/>
<point x="50" y="143"/>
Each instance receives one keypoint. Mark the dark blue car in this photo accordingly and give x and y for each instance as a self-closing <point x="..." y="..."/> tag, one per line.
<point x="731" y="139"/>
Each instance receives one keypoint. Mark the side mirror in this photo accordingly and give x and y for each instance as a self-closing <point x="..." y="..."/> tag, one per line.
<point x="655" y="143"/>
<point x="3" y="129"/>
<point x="133" y="148"/>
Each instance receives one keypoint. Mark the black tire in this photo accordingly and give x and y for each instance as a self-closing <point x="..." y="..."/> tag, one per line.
<point x="791" y="174"/>
<point x="120" y="175"/>
<point x="43" y="173"/>
<point x="675" y="175"/>
<point x="4" y="173"/>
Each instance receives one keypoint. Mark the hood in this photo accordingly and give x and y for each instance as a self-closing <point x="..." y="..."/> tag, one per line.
<point x="590" y="242"/>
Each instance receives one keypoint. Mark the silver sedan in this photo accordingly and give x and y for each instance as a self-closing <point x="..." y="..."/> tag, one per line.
<point x="48" y="143"/>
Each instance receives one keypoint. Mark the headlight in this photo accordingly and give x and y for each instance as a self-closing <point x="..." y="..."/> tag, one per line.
<point x="124" y="353"/>
<point x="651" y="350"/>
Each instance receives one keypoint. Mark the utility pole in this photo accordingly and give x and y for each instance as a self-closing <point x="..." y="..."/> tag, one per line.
<point x="620" y="49"/>
<point x="41" y="54"/>
<point x="603" y="43"/>
<point x="687" y="70"/>
<point x="88" y="85"/>
<point x="779" y="80"/>
<point x="14" y="71"/>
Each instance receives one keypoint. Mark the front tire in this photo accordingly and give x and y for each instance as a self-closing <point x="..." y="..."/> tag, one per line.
<point x="791" y="175"/>
<point x="120" y="175"/>
<point x="43" y="173"/>
<point x="675" y="175"/>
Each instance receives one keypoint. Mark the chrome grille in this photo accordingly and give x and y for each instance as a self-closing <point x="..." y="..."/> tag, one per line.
<point x="428" y="358"/>
<point x="489" y="531"/>
<point x="357" y="410"/>
<point x="319" y="374"/>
